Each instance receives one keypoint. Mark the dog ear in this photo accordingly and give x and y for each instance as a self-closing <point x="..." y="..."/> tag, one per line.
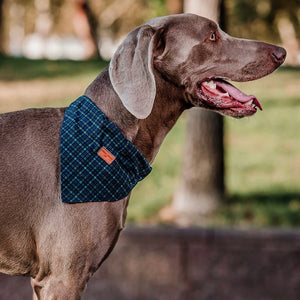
<point x="131" y="72"/>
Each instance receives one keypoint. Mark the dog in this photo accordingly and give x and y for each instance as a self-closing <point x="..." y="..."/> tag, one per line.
<point x="162" y="68"/>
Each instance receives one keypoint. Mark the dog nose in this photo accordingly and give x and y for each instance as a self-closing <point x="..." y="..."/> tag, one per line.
<point x="279" y="55"/>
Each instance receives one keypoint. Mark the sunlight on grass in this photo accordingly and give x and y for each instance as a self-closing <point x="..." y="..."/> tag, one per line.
<point x="263" y="150"/>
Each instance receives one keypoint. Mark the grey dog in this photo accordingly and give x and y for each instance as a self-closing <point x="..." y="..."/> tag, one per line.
<point x="163" y="67"/>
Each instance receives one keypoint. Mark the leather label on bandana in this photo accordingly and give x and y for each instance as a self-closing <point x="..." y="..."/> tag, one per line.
<point x="107" y="156"/>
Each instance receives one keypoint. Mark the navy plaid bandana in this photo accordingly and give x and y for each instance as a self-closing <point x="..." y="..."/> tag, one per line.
<point x="97" y="163"/>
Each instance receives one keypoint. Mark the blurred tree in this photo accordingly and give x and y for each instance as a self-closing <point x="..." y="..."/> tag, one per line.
<point x="111" y="19"/>
<point x="16" y="29"/>
<point x="1" y="27"/>
<point x="93" y="24"/>
<point x="271" y="20"/>
<point x="86" y="27"/>
<point x="289" y="40"/>
<point x="44" y="20"/>
<point x="202" y="177"/>
<point x="174" y="6"/>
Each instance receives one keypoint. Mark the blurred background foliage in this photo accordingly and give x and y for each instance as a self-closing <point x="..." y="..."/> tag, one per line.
<point x="66" y="38"/>
<point x="101" y="24"/>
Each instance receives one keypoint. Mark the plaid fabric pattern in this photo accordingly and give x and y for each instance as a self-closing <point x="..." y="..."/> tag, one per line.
<point x="85" y="176"/>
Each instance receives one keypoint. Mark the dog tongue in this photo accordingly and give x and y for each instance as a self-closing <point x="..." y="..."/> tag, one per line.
<point x="236" y="93"/>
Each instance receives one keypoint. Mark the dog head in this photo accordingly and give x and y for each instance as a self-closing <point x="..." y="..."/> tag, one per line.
<point x="196" y="56"/>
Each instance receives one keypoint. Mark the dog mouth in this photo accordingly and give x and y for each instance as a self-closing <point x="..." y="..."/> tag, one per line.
<point x="220" y="95"/>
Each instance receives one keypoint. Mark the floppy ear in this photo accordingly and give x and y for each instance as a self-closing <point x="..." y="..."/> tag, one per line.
<point x="131" y="72"/>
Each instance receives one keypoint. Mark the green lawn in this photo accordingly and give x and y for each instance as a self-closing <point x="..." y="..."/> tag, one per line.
<point x="262" y="152"/>
<point x="13" y="69"/>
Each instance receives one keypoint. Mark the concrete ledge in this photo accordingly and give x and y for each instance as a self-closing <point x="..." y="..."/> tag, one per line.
<point x="171" y="263"/>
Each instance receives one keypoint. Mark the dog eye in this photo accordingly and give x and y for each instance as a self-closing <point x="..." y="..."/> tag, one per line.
<point x="213" y="37"/>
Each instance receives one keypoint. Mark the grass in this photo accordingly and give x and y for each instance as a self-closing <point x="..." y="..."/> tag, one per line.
<point x="34" y="83"/>
<point x="262" y="152"/>
<point x="15" y="69"/>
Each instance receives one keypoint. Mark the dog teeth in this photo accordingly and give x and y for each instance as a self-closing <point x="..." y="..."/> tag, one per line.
<point x="211" y="84"/>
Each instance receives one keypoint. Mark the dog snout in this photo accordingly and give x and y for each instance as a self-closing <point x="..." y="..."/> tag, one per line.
<point x="279" y="55"/>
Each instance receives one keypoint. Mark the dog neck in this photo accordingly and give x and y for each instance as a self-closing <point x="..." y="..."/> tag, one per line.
<point x="147" y="134"/>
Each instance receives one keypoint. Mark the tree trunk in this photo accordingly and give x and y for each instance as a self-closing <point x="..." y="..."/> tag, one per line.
<point x="86" y="28"/>
<point x="208" y="9"/>
<point x="16" y="27"/>
<point x="93" y="24"/>
<point x="174" y="6"/>
<point x="201" y="186"/>
<point x="44" y="21"/>
<point x="289" y="40"/>
<point x="1" y="28"/>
